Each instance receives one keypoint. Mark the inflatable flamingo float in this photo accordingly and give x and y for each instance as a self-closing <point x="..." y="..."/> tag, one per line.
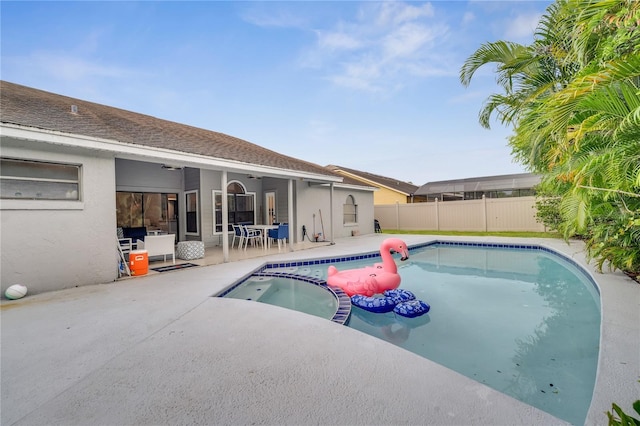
<point x="374" y="279"/>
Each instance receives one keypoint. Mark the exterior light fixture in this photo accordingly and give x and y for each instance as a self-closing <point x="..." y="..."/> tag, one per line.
<point x="169" y="167"/>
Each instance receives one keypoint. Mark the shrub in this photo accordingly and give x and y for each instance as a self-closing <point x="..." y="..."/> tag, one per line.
<point x="623" y="419"/>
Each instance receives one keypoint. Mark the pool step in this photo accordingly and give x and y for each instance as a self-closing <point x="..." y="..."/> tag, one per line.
<point x="254" y="289"/>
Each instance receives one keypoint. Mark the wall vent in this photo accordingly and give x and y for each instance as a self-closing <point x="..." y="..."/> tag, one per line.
<point x="74" y="109"/>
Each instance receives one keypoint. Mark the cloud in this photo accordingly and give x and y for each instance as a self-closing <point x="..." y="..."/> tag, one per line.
<point x="522" y="26"/>
<point x="382" y="46"/>
<point x="406" y="40"/>
<point x="66" y="67"/>
<point x="272" y="17"/>
<point x="337" y="41"/>
<point x="395" y="13"/>
<point x="363" y="74"/>
<point x="468" y="18"/>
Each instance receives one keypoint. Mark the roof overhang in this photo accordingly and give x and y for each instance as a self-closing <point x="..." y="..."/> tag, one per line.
<point x="347" y="186"/>
<point x="356" y="187"/>
<point x="158" y="155"/>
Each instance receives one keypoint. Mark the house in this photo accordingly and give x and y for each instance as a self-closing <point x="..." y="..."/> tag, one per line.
<point x="73" y="171"/>
<point x="499" y="186"/>
<point x="390" y="191"/>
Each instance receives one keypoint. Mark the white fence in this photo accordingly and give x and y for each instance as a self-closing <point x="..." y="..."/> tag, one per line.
<point x="485" y="215"/>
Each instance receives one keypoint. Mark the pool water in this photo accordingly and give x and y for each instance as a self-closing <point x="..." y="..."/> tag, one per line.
<point x="523" y="321"/>
<point x="288" y="293"/>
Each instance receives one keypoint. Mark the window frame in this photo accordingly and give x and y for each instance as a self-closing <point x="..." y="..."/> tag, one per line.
<point x="231" y="197"/>
<point x="350" y="215"/>
<point x="39" y="166"/>
<point x="73" y="202"/>
<point x="187" y="194"/>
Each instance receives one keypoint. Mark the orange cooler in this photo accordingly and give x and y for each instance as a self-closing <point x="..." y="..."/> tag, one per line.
<point x="139" y="262"/>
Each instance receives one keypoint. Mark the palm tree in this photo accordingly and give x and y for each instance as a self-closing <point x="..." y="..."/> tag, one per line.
<point x="573" y="100"/>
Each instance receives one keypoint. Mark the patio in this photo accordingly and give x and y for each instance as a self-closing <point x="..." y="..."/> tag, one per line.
<point x="157" y="349"/>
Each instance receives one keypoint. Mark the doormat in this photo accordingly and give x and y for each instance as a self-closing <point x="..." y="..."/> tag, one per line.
<point x="174" y="267"/>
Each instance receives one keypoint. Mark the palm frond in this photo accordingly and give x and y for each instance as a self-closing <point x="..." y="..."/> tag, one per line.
<point x="500" y="52"/>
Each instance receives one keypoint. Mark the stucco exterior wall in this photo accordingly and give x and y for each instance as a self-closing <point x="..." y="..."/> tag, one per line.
<point x="209" y="181"/>
<point x="48" y="247"/>
<point x="364" y="201"/>
<point x="387" y="196"/>
<point x="314" y="199"/>
<point x="138" y="176"/>
<point x="311" y="200"/>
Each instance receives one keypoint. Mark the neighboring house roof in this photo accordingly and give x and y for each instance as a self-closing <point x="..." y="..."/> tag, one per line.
<point x="348" y="180"/>
<point x="486" y="183"/>
<point x="32" y="108"/>
<point x="405" y="188"/>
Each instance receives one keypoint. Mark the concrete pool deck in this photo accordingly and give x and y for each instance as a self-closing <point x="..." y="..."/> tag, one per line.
<point x="159" y="350"/>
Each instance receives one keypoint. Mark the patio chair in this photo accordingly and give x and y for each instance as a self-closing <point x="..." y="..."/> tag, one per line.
<point x="237" y="234"/>
<point x="280" y="234"/>
<point x="160" y="245"/>
<point x="376" y="226"/>
<point x="252" y="236"/>
<point x="126" y="244"/>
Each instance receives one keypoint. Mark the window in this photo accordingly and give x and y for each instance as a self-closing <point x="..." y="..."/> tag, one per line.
<point x="155" y="211"/>
<point x="350" y="211"/>
<point x="36" y="180"/>
<point x="191" y="207"/>
<point x="240" y="203"/>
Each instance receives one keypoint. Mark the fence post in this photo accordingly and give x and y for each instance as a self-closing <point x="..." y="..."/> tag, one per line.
<point x="484" y="212"/>
<point x="397" y="215"/>
<point x="437" y="215"/>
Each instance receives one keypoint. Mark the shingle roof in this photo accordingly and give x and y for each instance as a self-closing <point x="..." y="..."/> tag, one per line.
<point x="397" y="185"/>
<point x="25" y="106"/>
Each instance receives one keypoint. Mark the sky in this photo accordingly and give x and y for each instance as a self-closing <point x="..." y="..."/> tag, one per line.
<point x="372" y="86"/>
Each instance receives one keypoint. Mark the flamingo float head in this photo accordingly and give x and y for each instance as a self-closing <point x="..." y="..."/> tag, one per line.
<point x="396" y="245"/>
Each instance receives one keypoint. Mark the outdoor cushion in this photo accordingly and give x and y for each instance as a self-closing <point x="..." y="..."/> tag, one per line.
<point x="188" y="250"/>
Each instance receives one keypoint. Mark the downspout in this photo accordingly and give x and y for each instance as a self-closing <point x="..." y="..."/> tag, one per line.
<point x="292" y="225"/>
<point x="331" y="210"/>
<point x="225" y="217"/>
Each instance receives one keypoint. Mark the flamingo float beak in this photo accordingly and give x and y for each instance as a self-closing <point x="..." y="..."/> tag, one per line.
<point x="403" y="251"/>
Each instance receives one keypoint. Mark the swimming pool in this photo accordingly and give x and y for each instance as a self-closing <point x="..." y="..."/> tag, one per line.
<point x="519" y="319"/>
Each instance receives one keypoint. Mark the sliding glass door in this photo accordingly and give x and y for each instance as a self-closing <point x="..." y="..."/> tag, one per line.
<point x="155" y="211"/>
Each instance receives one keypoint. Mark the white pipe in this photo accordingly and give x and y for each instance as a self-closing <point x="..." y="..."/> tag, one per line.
<point x="331" y="210"/>
<point x="225" y="217"/>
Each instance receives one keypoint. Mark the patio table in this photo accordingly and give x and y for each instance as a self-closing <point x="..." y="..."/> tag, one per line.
<point x="263" y="229"/>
